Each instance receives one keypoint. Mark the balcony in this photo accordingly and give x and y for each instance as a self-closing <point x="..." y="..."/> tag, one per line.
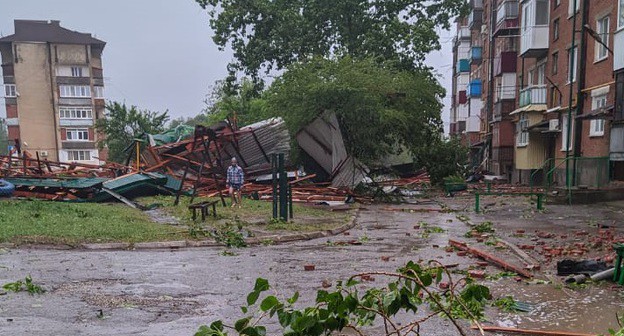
<point x="534" y="41"/>
<point x="476" y="55"/>
<point x="534" y="31"/>
<point x="505" y="87"/>
<point x="475" y="19"/>
<point x="505" y="62"/>
<point x="533" y="95"/>
<point x="474" y="88"/>
<point x="463" y="33"/>
<point x="477" y="4"/>
<point x="76" y="122"/>
<point x="463" y="65"/>
<point x="618" y="50"/>
<point x="473" y="124"/>
<point x="507" y="22"/>
<point x="462" y="97"/>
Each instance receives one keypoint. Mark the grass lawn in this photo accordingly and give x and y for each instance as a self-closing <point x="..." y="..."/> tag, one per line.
<point x="253" y="214"/>
<point x="46" y="222"/>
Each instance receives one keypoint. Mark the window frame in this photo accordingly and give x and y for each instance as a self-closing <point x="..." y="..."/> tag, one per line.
<point x="522" y="139"/>
<point x="555" y="63"/>
<point x="81" y="134"/>
<point x="573" y="68"/>
<point x="68" y="113"/>
<point x="75" y="155"/>
<point x="76" y="71"/>
<point x="571" y="7"/>
<point x="620" y="20"/>
<point x="74" y="91"/>
<point x="98" y="91"/>
<point x="10" y="91"/>
<point x="598" y="101"/>
<point x="599" y="48"/>
<point x="564" y="133"/>
<point x="555" y="36"/>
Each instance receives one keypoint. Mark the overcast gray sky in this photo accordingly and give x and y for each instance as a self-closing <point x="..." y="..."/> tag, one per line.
<point x="159" y="53"/>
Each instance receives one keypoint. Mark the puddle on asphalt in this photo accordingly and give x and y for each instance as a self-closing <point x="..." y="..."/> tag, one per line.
<point x="591" y="310"/>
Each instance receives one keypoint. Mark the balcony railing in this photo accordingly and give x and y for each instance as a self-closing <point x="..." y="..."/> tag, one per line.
<point x="463" y="65"/>
<point x="505" y="62"/>
<point x="534" y="40"/>
<point x="533" y="95"/>
<point x="507" y="22"/>
<point x="475" y="88"/>
<point x="463" y="33"/>
<point x="475" y="18"/>
<point x="507" y="10"/>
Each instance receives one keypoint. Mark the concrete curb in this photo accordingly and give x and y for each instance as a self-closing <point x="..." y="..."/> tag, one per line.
<point x="269" y="240"/>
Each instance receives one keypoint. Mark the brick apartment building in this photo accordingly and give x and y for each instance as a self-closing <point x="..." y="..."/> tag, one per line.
<point x="532" y="89"/>
<point x="53" y="88"/>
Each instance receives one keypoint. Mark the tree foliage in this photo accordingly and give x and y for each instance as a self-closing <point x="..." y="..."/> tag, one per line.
<point x="379" y="107"/>
<point x="348" y="307"/>
<point x="122" y="124"/>
<point x="267" y="34"/>
<point x="442" y="158"/>
<point x="243" y="106"/>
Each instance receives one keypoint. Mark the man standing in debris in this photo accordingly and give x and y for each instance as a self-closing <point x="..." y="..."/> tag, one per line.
<point x="234" y="182"/>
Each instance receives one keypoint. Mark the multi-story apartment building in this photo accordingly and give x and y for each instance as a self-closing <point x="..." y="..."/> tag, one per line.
<point x="555" y="89"/>
<point x="466" y="102"/>
<point x="53" y="87"/>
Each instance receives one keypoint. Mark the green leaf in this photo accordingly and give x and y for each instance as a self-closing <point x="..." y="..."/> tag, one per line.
<point x="241" y="324"/>
<point x="261" y="285"/>
<point x="294" y="298"/>
<point x="268" y="303"/>
<point x="245" y="309"/>
<point x="252" y="297"/>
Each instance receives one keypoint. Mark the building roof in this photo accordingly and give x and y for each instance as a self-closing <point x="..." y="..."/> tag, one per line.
<point x="48" y="31"/>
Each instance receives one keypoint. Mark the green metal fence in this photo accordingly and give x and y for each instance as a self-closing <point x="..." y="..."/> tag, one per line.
<point x="593" y="172"/>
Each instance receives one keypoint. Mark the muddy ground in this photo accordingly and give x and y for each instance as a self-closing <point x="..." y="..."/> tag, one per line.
<point x="172" y="292"/>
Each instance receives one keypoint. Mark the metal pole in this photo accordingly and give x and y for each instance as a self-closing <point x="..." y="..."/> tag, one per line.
<point x="283" y="188"/>
<point x="274" y="181"/>
<point x="290" y="202"/>
<point x="570" y="100"/>
<point x="580" y="85"/>
<point x="138" y="155"/>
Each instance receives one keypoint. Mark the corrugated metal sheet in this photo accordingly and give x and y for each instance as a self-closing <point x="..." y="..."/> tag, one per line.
<point x="270" y="136"/>
<point x="322" y="140"/>
<point x="73" y="183"/>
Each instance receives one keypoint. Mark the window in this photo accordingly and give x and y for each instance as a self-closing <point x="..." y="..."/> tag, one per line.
<point x="75" y="113"/>
<point x="77" y="134"/>
<point x="564" y="133"/>
<point x="530" y="78"/>
<point x="78" y="155"/>
<point x="541" y="12"/>
<point x="602" y="28"/>
<point x="555" y="62"/>
<point x="556" y="3"/>
<point x="573" y="4"/>
<point x="556" y="30"/>
<point x="523" y="134"/>
<point x="76" y="71"/>
<point x="10" y="91"/>
<point x="619" y="96"/>
<point x="76" y="91"/>
<point x="599" y="100"/>
<point x="541" y="74"/>
<point x="98" y="91"/>
<point x="572" y="62"/>
<point x="621" y="14"/>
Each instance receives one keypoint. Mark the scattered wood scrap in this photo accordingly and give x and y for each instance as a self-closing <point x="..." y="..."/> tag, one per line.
<point x="530" y="332"/>
<point x="488" y="257"/>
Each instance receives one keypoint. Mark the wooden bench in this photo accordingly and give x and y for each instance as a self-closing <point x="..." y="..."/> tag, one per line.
<point x="204" y="207"/>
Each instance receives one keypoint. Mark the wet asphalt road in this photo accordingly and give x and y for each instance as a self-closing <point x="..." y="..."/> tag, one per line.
<point x="173" y="292"/>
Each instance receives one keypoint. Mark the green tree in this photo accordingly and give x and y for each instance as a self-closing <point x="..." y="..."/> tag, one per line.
<point x="122" y="124"/>
<point x="266" y="34"/>
<point x="245" y="105"/>
<point x="379" y="107"/>
<point x="442" y="158"/>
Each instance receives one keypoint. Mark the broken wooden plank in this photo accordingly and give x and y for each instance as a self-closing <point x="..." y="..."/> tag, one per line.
<point x="488" y="257"/>
<point x="531" y="332"/>
<point x="122" y="199"/>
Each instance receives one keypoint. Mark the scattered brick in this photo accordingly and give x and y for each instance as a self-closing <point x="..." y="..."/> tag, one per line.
<point x="477" y="274"/>
<point x="443" y="285"/>
<point x="462" y="253"/>
<point x="309" y="267"/>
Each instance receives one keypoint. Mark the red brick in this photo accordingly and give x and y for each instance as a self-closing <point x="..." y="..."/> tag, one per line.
<point x="477" y="274"/>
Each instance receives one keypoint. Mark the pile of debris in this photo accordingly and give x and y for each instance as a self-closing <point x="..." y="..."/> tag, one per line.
<point x="194" y="161"/>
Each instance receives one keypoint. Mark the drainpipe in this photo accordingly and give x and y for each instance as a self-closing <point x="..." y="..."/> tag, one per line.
<point x="490" y="98"/>
<point x="568" y="134"/>
<point x="56" y="147"/>
<point x="580" y="97"/>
